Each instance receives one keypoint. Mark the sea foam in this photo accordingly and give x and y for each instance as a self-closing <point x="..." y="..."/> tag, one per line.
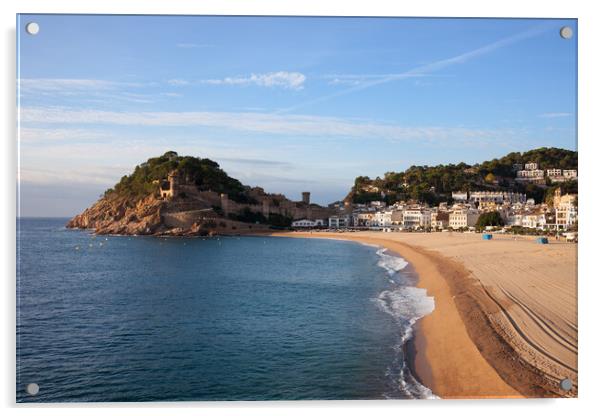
<point x="392" y="264"/>
<point x="406" y="304"/>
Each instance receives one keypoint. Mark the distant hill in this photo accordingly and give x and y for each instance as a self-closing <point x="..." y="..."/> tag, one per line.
<point x="204" y="173"/>
<point x="434" y="184"/>
<point x="186" y="195"/>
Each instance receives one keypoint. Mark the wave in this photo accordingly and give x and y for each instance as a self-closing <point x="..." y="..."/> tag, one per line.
<point x="406" y="304"/>
<point x="392" y="264"/>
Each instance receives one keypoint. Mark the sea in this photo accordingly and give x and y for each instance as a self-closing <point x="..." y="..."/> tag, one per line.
<point x="125" y="318"/>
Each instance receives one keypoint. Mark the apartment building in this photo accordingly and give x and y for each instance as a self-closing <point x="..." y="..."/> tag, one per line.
<point x="461" y="218"/>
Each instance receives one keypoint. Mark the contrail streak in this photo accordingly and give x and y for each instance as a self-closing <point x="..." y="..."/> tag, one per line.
<point x="428" y="68"/>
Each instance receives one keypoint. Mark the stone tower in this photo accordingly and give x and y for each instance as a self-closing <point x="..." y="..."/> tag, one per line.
<point x="305" y="197"/>
<point x="170" y="188"/>
<point x="174" y="183"/>
<point x="225" y="204"/>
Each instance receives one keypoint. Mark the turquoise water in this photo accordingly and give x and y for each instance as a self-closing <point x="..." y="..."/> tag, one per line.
<point x="239" y="318"/>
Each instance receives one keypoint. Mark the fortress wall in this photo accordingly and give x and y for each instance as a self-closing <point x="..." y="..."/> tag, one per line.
<point x="175" y="207"/>
<point x="290" y="210"/>
<point x="286" y="208"/>
<point x="237" y="227"/>
<point x="320" y="213"/>
<point x="186" y="219"/>
<point x="211" y="197"/>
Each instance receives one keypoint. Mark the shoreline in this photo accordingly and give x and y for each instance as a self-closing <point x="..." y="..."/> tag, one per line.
<point x="457" y="351"/>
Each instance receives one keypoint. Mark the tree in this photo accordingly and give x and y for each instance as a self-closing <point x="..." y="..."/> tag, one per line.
<point x="490" y="177"/>
<point x="490" y="219"/>
<point x="417" y="182"/>
<point x="204" y="173"/>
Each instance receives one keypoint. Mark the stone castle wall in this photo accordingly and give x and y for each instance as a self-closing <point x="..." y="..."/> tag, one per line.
<point x="195" y="200"/>
<point x="187" y="219"/>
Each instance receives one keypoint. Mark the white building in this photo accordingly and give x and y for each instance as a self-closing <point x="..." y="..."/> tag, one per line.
<point x="462" y="218"/>
<point x="304" y="223"/>
<point x="515" y="219"/>
<point x="566" y="216"/>
<point x="362" y="219"/>
<point x="382" y="219"/>
<point x="527" y="219"/>
<point x="439" y="220"/>
<point x="338" y="221"/>
<point x="531" y="166"/>
<point x="559" y="175"/>
<point x="497" y="197"/>
<point x="416" y="218"/>
<point x="570" y="173"/>
<point x="378" y="204"/>
<point x="566" y="210"/>
<point x="460" y="196"/>
<point x="535" y="220"/>
<point x="370" y="188"/>
<point x="533" y="175"/>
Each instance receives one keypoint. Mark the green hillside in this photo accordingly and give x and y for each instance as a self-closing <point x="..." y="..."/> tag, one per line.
<point x="434" y="184"/>
<point x="204" y="173"/>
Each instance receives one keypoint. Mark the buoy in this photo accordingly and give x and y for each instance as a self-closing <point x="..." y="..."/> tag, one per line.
<point x="77" y="247"/>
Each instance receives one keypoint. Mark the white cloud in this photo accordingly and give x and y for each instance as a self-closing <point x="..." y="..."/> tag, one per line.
<point x="94" y="90"/>
<point x="555" y="115"/>
<point x="176" y="82"/>
<point x="298" y="125"/>
<point x="171" y="94"/>
<point x="31" y="134"/>
<point x="193" y="45"/>
<point x="66" y="84"/>
<point x="281" y="79"/>
<point x="97" y="175"/>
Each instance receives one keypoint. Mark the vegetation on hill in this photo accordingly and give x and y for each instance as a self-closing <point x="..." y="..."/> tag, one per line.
<point x="490" y="219"/>
<point x="434" y="184"/>
<point x="204" y="173"/>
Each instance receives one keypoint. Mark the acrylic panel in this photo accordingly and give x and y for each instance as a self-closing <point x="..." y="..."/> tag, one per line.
<point x="295" y="208"/>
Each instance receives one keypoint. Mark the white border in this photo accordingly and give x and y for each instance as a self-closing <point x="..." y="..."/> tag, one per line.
<point x="590" y="34"/>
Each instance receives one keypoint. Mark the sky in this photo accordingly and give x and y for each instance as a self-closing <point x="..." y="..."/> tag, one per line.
<point x="290" y="104"/>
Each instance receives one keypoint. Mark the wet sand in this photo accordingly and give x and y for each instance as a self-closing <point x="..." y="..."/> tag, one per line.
<point x="505" y="318"/>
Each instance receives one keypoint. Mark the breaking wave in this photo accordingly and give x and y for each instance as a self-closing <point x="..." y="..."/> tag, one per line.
<point x="406" y="304"/>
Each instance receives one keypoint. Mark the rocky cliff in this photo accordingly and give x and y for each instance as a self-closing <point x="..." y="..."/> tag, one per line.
<point x="174" y="195"/>
<point x="120" y="215"/>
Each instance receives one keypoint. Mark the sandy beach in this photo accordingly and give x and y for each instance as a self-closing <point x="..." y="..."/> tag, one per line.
<point x="505" y="318"/>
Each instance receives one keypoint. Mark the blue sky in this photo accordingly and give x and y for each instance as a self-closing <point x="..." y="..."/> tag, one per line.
<point x="289" y="104"/>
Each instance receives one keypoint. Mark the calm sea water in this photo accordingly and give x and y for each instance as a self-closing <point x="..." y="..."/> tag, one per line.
<point x="252" y="318"/>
